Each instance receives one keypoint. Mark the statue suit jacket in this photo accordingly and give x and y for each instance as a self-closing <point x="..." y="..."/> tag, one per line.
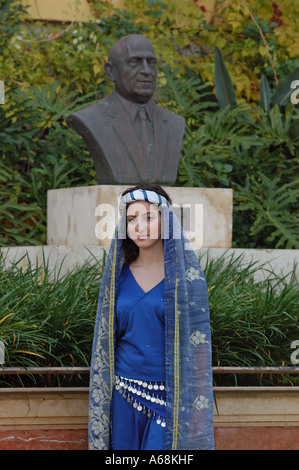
<point x="113" y="145"/>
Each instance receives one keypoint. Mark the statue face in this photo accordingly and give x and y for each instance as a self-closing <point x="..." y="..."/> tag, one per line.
<point x="134" y="73"/>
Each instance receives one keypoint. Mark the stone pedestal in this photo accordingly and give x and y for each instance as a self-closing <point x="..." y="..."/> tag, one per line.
<point x="88" y="215"/>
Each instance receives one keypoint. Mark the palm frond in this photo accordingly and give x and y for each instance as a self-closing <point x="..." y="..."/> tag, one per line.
<point x="275" y="205"/>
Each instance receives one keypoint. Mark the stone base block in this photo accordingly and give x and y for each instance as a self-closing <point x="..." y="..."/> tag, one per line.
<point x="64" y="259"/>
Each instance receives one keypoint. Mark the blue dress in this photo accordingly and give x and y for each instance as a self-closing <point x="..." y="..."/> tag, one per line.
<point x="139" y="364"/>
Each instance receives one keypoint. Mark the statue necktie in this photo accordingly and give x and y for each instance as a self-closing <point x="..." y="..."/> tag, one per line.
<point x="143" y="133"/>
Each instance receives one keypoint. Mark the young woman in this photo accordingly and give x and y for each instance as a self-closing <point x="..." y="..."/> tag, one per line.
<point x="151" y="380"/>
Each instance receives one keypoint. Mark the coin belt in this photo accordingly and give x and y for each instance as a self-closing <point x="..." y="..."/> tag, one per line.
<point x="132" y="389"/>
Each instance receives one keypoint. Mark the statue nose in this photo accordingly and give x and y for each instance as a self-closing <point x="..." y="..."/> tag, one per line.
<point x="145" y="67"/>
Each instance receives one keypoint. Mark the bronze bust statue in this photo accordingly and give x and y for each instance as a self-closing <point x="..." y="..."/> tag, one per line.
<point x="130" y="138"/>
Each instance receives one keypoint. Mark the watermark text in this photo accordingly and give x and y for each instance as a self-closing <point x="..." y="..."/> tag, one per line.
<point x="2" y="94"/>
<point x="295" y="94"/>
<point x="295" y="354"/>
<point x="189" y="216"/>
<point x="2" y="353"/>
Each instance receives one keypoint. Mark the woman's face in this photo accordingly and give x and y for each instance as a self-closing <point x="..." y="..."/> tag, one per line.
<point x="143" y="223"/>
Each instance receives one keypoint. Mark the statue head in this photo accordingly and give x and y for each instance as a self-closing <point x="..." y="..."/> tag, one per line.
<point x="131" y="67"/>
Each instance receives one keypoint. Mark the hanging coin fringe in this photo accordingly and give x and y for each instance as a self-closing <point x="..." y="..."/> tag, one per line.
<point x="131" y="389"/>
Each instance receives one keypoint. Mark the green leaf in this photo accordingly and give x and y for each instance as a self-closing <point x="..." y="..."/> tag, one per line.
<point x="224" y="88"/>
<point x="265" y="94"/>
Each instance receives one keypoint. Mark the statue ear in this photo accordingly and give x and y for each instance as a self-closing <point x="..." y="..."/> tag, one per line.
<point x="109" y="70"/>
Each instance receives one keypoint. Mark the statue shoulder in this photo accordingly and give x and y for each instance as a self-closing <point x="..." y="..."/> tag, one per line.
<point x="91" y="112"/>
<point x="170" y="116"/>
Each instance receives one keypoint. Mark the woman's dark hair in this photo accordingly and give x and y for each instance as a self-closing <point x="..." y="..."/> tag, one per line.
<point x="130" y="249"/>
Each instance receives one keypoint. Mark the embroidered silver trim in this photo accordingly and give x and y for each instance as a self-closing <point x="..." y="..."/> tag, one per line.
<point x="131" y="389"/>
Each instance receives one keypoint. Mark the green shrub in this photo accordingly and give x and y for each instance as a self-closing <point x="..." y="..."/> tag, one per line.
<point x="256" y="38"/>
<point x="247" y="141"/>
<point x="47" y="319"/>
<point x="250" y="149"/>
<point x="254" y="313"/>
<point x="38" y="153"/>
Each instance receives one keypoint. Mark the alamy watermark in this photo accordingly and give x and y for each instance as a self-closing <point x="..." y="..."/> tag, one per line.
<point x="295" y="354"/>
<point x="2" y="353"/>
<point x="295" y="94"/>
<point x="2" y="94"/>
<point x="190" y="217"/>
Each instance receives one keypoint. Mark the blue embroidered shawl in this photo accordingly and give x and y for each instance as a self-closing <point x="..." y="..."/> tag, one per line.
<point x="188" y="362"/>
